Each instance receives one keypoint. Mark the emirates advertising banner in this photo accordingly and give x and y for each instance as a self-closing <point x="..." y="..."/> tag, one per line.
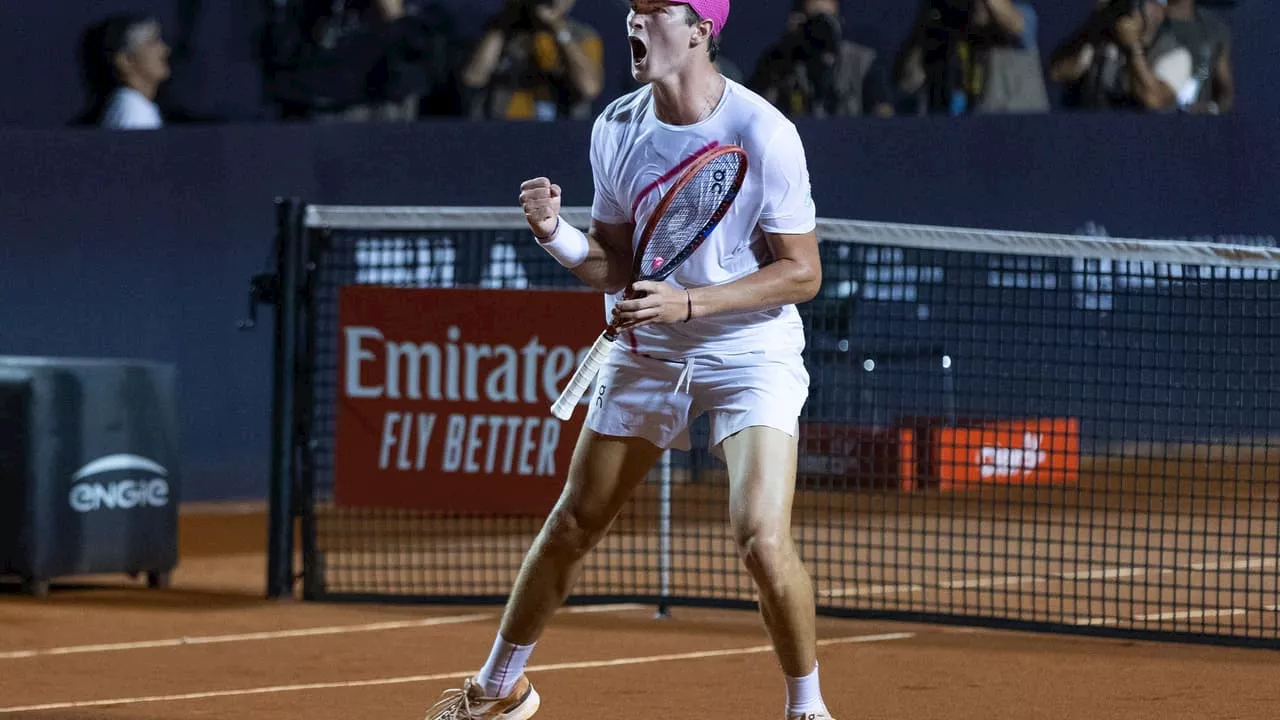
<point x="445" y="395"/>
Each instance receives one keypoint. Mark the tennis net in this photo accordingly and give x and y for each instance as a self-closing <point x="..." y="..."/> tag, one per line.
<point x="1010" y="429"/>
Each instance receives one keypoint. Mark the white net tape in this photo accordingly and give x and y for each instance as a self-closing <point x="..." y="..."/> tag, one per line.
<point x="924" y="237"/>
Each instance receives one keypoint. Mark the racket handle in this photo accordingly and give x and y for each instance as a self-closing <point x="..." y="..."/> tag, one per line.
<point x="577" y="387"/>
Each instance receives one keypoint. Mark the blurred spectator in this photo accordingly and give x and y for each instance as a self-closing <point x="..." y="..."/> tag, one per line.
<point x="1137" y="54"/>
<point x="1210" y="85"/>
<point x="973" y="56"/>
<point x="1106" y="64"/>
<point x="124" y="60"/>
<point x="358" y="60"/>
<point x="534" y="63"/>
<point x="813" y="70"/>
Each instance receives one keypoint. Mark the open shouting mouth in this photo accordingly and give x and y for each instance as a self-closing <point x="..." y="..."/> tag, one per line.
<point x="639" y="51"/>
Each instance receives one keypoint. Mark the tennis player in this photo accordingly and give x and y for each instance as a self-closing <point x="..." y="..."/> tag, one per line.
<point x="722" y="336"/>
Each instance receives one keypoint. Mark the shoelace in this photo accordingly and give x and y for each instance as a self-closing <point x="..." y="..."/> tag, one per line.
<point x="455" y="704"/>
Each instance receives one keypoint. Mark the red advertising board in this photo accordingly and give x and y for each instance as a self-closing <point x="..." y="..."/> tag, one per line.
<point x="444" y="397"/>
<point x="849" y="457"/>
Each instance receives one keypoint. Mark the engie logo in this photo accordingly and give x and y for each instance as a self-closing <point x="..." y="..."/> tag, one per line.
<point x="119" y="482"/>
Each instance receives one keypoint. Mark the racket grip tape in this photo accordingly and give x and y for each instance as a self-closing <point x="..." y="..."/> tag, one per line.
<point x="581" y="380"/>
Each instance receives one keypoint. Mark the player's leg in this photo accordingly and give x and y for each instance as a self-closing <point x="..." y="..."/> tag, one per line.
<point x="762" y="468"/>
<point x="632" y="415"/>
<point x="602" y="476"/>
<point x="754" y="402"/>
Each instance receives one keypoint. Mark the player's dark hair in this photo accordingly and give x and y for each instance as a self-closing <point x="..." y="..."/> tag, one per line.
<point x="713" y="45"/>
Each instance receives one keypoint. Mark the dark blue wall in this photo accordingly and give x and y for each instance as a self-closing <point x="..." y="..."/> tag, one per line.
<point x="141" y="244"/>
<point x="218" y="75"/>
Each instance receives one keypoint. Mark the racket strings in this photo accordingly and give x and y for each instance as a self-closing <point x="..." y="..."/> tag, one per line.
<point x="689" y="211"/>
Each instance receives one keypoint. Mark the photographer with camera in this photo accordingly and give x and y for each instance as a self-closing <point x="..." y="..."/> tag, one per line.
<point x="1148" y="55"/>
<point x="973" y="56"/>
<point x="534" y="63"/>
<point x="1106" y="65"/>
<point x="813" y="71"/>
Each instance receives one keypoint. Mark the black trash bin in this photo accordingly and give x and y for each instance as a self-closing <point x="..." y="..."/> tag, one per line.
<point x="89" y="477"/>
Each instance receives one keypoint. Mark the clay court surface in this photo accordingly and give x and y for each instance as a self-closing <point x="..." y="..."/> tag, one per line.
<point x="211" y="647"/>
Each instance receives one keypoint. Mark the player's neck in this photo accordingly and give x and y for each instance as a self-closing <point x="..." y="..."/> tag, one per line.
<point x="689" y="97"/>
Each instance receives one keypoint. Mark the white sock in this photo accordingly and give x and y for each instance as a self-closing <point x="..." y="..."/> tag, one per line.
<point x="803" y="695"/>
<point x="504" y="667"/>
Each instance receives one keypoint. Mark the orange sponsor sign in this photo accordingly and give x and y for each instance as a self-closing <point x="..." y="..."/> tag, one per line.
<point x="444" y="397"/>
<point x="1019" y="452"/>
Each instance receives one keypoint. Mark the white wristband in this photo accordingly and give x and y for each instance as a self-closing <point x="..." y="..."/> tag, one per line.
<point x="568" y="245"/>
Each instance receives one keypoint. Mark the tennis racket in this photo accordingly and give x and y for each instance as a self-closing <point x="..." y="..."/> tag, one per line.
<point x="685" y="217"/>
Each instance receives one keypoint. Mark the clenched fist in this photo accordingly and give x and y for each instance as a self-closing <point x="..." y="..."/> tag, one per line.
<point x="541" y="202"/>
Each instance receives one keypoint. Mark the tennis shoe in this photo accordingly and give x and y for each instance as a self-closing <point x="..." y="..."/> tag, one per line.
<point x="469" y="703"/>
<point x="824" y="715"/>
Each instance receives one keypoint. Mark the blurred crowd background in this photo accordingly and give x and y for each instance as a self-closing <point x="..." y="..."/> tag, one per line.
<point x="151" y="63"/>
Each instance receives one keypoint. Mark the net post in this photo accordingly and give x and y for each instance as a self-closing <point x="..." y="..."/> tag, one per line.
<point x="664" y="536"/>
<point x="303" y="415"/>
<point x="280" y="570"/>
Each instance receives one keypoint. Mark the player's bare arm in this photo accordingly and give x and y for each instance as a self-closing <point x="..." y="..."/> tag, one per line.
<point x="601" y="258"/>
<point x="793" y="277"/>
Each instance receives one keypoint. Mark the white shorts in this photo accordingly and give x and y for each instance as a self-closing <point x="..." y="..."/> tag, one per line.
<point x="641" y="396"/>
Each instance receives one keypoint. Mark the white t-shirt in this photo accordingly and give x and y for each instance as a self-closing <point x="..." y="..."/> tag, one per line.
<point x="128" y="109"/>
<point x="632" y="153"/>
<point x="1177" y="69"/>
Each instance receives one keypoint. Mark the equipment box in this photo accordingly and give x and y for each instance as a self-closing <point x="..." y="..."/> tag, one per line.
<point x="89" y="479"/>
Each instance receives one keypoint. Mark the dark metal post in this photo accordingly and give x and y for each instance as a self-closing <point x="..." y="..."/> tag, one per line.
<point x="280" y="571"/>
<point x="313" y="577"/>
